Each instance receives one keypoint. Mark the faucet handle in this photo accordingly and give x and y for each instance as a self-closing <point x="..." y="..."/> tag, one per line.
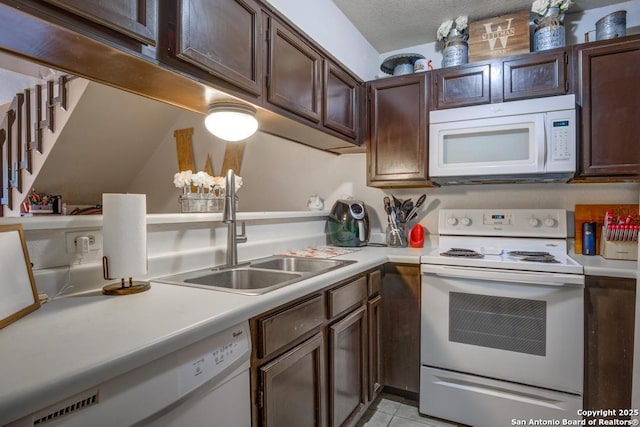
<point x="242" y="237"/>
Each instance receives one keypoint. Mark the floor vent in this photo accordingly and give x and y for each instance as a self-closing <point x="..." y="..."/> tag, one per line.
<point x="66" y="407"/>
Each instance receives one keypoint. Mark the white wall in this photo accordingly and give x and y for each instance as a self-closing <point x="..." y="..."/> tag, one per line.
<point x="281" y="175"/>
<point x="156" y="176"/>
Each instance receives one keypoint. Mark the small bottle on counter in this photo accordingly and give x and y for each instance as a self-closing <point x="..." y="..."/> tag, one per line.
<point x="588" y="238"/>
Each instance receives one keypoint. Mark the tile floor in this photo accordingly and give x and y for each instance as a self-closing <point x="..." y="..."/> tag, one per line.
<point x="394" y="411"/>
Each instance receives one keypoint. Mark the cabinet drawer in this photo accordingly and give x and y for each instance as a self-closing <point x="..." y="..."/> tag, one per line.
<point x="347" y="296"/>
<point x="290" y="324"/>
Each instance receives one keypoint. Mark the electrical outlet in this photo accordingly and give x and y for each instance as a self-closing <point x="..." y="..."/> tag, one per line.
<point x="95" y="240"/>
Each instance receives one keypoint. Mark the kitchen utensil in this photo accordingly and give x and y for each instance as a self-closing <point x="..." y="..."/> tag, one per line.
<point x="414" y="211"/>
<point x="396" y="202"/>
<point x="405" y="209"/>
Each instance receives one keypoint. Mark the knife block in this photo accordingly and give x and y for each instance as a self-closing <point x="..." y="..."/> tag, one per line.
<point x="618" y="249"/>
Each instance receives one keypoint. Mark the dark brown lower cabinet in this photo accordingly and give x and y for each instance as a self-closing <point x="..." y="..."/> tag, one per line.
<point x="317" y="361"/>
<point x="609" y="327"/>
<point x="401" y="328"/>
<point x="293" y="386"/>
<point x="374" y="308"/>
<point x="348" y="367"/>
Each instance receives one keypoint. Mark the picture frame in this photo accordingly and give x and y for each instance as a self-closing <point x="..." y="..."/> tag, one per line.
<point x="18" y="293"/>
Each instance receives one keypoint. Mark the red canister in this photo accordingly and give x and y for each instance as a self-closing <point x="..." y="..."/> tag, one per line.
<point x="416" y="236"/>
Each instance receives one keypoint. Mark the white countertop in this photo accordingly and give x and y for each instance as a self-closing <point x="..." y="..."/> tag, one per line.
<point x="598" y="266"/>
<point x="76" y="342"/>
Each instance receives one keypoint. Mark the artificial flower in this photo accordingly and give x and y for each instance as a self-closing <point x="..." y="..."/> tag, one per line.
<point x="444" y="29"/>
<point x="200" y="179"/>
<point x="181" y="179"/>
<point x="542" y="6"/>
<point x="461" y="23"/>
<point x="238" y="180"/>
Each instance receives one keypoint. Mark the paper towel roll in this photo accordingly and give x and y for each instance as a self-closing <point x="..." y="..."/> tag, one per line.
<point x="124" y="234"/>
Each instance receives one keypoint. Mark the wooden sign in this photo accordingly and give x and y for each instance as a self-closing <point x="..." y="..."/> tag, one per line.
<point x="499" y="36"/>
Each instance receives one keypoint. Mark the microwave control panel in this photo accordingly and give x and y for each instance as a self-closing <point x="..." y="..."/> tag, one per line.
<point x="560" y="140"/>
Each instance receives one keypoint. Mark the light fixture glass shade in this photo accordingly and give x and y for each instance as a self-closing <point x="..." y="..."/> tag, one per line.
<point x="231" y="121"/>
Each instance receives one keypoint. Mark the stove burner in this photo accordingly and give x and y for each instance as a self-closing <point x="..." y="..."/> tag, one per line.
<point x="525" y="254"/>
<point x="462" y="253"/>
<point x="534" y="256"/>
<point x="543" y="258"/>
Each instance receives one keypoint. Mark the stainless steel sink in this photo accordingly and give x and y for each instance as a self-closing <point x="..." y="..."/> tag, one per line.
<point x="245" y="279"/>
<point x="258" y="276"/>
<point x="297" y="264"/>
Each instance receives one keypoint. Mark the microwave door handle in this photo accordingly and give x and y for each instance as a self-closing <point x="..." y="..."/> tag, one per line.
<point x="534" y="278"/>
<point x="541" y="122"/>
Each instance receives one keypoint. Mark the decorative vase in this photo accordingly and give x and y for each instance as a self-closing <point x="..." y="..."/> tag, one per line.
<point x="549" y="32"/>
<point x="456" y="49"/>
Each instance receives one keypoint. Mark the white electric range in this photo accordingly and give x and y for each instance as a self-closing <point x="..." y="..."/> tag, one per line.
<point x="501" y="318"/>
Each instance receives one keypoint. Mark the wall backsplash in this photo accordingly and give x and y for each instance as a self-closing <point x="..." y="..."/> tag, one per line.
<point x="302" y="171"/>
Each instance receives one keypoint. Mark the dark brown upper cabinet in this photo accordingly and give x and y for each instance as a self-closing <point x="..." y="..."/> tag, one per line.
<point x="340" y="101"/>
<point x="607" y="91"/>
<point x="294" y="73"/>
<point x="134" y="18"/>
<point x="530" y="75"/>
<point x="223" y="38"/>
<point x="397" y="152"/>
<point x="462" y="86"/>
<point x="535" y="75"/>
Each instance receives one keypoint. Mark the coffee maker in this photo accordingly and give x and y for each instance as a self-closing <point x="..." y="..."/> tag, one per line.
<point x="348" y="224"/>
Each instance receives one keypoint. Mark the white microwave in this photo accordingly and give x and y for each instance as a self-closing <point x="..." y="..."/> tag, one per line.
<point x="520" y="141"/>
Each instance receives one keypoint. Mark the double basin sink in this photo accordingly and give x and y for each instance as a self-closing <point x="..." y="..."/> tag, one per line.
<point x="258" y="276"/>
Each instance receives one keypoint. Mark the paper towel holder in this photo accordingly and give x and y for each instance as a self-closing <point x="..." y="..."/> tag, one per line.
<point x="125" y="287"/>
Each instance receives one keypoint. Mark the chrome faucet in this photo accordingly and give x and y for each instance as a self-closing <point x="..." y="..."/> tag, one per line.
<point x="229" y="218"/>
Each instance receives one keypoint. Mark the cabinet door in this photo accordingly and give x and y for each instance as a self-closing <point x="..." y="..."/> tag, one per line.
<point x="223" y="37"/>
<point x="135" y="18"/>
<point x="348" y="367"/>
<point x="399" y="129"/>
<point x="536" y="75"/>
<point x="609" y="327"/>
<point x="401" y="328"/>
<point x="293" y="387"/>
<point x="610" y="104"/>
<point x="462" y="86"/>
<point x="340" y="101"/>
<point x="294" y="73"/>
<point x="374" y="307"/>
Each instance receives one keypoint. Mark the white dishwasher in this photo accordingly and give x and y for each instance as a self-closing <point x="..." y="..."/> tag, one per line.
<point x="204" y="384"/>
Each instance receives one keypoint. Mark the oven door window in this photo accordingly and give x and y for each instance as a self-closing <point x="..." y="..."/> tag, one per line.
<point x="512" y="324"/>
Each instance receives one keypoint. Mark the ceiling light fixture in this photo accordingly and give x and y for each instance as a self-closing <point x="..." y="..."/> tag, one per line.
<point x="231" y="121"/>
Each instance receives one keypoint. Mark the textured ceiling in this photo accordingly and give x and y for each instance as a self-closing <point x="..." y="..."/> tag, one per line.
<point x="396" y="24"/>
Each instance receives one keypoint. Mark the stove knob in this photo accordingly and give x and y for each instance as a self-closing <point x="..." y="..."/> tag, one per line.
<point x="534" y="222"/>
<point x="549" y="222"/>
<point x="452" y="220"/>
<point x="465" y="221"/>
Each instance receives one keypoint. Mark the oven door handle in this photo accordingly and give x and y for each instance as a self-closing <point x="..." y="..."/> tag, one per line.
<point x="529" y="277"/>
